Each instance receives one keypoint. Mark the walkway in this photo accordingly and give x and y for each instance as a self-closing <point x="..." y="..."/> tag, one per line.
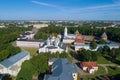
<point x="105" y="66"/>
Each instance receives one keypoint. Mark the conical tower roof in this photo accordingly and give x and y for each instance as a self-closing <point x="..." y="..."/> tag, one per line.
<point x="104" y="35"/>
<point x="77" y="32"/>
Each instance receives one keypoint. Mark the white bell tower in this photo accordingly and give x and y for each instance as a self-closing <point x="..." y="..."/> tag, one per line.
<point x="48" y="41"/>
<point x="65" y="32"/>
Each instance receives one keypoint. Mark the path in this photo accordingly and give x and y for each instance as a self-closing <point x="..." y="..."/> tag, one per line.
<point x="106" y="70"/>
<point x="105" y="66"/>
<point x="35" y="30"/>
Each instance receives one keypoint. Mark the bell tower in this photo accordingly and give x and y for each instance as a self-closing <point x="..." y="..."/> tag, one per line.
<point x="65" y="32"/>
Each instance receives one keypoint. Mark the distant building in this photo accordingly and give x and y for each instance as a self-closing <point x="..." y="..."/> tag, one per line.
<point x="81" y="46"/>
<point x="53" y="46"/>
<point x="2" y="26"/>
<point x="88" y="38"/>
<point x="111" y="46"/>
<point x="76" y="37"/>
<point x="104" y="36"/>
<point x="13" y="64"/>
<point x="91" y="67"/>
<point x="68" y="41"/>
<point x="29" y="35"/>
<point x="61" y="69"/>
<point x="79" y="39"/>
<point x="29" y="43"/>
<point x="27" y="40"/>
<point x="40" y="25"/>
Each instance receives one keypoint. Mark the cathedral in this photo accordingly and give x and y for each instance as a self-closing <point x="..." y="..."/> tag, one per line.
<point x="53" y="45"/>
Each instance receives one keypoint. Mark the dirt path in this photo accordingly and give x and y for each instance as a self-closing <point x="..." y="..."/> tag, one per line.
<point x="105" y="66"/>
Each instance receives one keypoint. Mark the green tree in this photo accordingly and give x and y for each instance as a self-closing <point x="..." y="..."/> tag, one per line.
<point x="42" y="67"/>
<point x="4" y="54"/>
<point x="93" y="45"/>
<point x="102" y="42"/>
<point x="114" y="53"/>
<point x="26" y="71"/>
<point x="106" y="50"/>
<point x="86" y="55"/>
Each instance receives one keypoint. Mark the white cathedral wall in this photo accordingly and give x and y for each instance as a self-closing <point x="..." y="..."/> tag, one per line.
<point x="79" y="47"/>
<point x="68" y="41"/>
<point x="28" y="44"/>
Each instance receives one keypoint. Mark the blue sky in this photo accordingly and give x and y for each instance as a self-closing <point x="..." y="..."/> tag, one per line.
<point x="59" y="9"/>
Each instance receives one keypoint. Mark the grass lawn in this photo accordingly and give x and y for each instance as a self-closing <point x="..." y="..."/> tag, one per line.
<point x="113" y="70"/>
<point x="33" y="51"/>
<point x="70" y="58"/>
<point x="100" y="71"/>
<point x="102" y="60"/>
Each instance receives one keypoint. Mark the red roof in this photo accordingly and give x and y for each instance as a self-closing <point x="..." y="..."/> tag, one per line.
<point x="79" y="37"/>
<point x="79" y="41"/>
<point x="90" y="65"/>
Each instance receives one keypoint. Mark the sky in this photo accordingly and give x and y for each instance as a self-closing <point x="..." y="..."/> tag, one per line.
<point x="59" y="9"/>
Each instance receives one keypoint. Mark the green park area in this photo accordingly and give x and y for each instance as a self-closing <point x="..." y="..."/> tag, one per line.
<point x="32" y="51"/>
<point x="102" y="60"/>
<point x="113" y="70"/>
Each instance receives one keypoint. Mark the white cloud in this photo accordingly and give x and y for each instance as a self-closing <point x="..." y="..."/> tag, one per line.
<point x="92" y="9"/>
<point x="97" y="7"/>
<point x="47" y="5"/>
<point x="43" y="4"/>
<point x="116" y="1"/>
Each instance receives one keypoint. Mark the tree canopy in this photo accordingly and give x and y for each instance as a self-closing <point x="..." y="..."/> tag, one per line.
<point x="86" y="55"/>
<point x="7" y="36"/>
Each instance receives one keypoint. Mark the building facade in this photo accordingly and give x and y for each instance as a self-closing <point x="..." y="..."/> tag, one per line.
<point x="29" y="43"/>
<point x="27" y="40"/>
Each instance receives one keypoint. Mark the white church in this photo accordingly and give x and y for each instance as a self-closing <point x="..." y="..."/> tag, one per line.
<point x="52" y="46"/>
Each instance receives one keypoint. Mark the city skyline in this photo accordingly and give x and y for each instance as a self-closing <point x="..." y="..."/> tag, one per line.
<point x="60" y="10"/>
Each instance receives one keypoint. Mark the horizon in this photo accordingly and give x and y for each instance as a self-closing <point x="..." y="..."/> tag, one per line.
<point x="80" y="10"/>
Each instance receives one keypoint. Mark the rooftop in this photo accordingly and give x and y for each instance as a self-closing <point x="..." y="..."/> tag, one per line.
<point x="28" y="33"/>
<point x="13" y="59"/>
<point x="71" y="35"/>
<point x="62" y="69"/>
<point x="79" y="39"/>
<point x="90" y="65"/>
<point x="51" y="47"/>
<point x="31" y="40"/>
<point x="104" y="35"/>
